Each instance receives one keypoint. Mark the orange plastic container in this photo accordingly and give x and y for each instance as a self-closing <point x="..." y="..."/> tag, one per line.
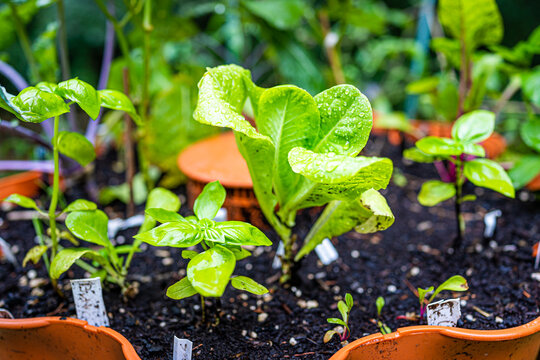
<point x="51" y="338"/>
<point x="26" y="183"/>
<point x="447" y="343"/>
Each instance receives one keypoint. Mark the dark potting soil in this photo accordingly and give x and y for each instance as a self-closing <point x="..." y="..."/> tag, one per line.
<point x="291" y="323"/>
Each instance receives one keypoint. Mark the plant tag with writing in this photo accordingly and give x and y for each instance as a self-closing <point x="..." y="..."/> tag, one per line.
<point x="182" y="349"/>
<point x="88" y="299"/>
<point x="326" y="252"/>
<point x="276" y="264"/>
<point x="444" y="313"/>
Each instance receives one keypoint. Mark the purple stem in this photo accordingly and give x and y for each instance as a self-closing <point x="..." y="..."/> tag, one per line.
<point x="20" y="83"/>
<point x="443" y="172"/>
<point x="27" y="165"/>
<point x="108" y="53"/>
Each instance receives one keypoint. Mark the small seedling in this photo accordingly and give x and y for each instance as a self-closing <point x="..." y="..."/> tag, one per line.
<point x="344" y="308"/>
<point x="382" y="326"/>
<point x="209" y="271"/>
<point x="466" y="158"/>
<point x="454" y="283"/>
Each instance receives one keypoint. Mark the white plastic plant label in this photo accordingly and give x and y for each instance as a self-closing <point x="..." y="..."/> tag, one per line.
<point x="276" y="264"/>
<point x="182" y="349"/>
<point x="221" y="215"/>
<point x="88" y="299"/>
<point x="326" y="252"/>
<point x="115" y="225"/>
<point x="490" y="222"/>
<point x="444" y="313"/>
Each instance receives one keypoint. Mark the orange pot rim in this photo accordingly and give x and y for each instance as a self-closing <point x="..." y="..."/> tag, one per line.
<point x="30" y="323"/>
<point x="20" y="178"/>
<point x="457" y="333"/>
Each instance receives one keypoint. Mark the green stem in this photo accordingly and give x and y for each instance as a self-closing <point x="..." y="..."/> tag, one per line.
<point x="134" y="247"/>
<point x="39" y="232"/>
<point x="55" y="193"/>
<point x="147" y="28"/>
<point x="25" y="42"/>
<point x="203" y="309"/>
<point x="459" y="217"/>
<point x="62" y="40"/>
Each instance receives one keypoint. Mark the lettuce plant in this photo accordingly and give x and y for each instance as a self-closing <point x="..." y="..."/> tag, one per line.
<point x="464" y="153"/>
<point x="48" y="100"/>
<point x="454" y="283"/>
<point x="109" y="262"/>
<point x="210" y="270"/>
<point x="302" y="153"/>
<point x="344" y="308"/>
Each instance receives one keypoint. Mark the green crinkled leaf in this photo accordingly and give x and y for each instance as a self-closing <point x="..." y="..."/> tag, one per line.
<point x="435" y="191"/>
<point x="89" y="226"/>
<point x="209" y="201"/>
<point x="67" y="257"/>
<point x="5" y="102"/>
<point x="247" y="284"/>
<point x="82" y="93"/>
<point x="337" y="177"/>
<point x="281" y="14"/>
<point x="474" y="127"/>
<point x="210" y="271"/>
<point x="47" y="87"/>
<point x="35" y="105"/>
<point x="241" y="233"/>
<point x="530" y="133"/>
<point x="369" y="213"/>
<point x="288" y="115"/>
<point x="181" y="289"/>
<point x="34" y="254"/>
<point x="489" y="174"/>
<point x="345" y="121"/>
<point x="160" y="200"/>
<point x="80" y="205"/>
<point x="76" y="146"/>
<point x="22" y="201"/>
<point x="433" y="145"/>
<point x="116" y="100"/>
<point x="176" y="234"/>
<point x="523" y="171"/>
<point x="222" y="94"/>
<point x="476" y="23"/>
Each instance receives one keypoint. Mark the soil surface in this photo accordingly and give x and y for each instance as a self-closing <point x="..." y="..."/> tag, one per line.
<point x="291" y="323"/>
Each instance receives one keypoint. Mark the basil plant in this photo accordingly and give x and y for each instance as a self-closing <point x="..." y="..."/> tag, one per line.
<point x="466" y="156"/>
<point x="107" y="261"/>
<point x="36" y="104"/>
<point x="209" y="271"/>
<point x="302" y="153"/>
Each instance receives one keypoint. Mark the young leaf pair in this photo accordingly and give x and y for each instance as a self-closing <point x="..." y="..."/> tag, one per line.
<point x="209" y="271"/>
<point x="454" y="283"/>
<point x="344" y="308"/>
<point x="379" y="303"/>
<point x="303" y="153"/>
<point x="467" y="159"/>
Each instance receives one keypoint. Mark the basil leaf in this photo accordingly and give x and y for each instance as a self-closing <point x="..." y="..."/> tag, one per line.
<point x="474" y="127"/>
<point x="80" y="205"/>
<point x="90" y="226"/>
<point x="433" y="145"/>
<point x="210" y="271"/>
<point x="435" y="191"/>
<point x="76" y="146"/>
<point x="247" y="284"/>
<point x="116" y="100"/>
<point x="489" y="174"/>
<point x="35" y="105"/>
<point x="22" y="201"/>
<point x="67" y="257"/>
<point x="180" y="290"/>
<point x="176" y="234"/>
<point x="163" y="216"/>
<point x="209" y="201"/>
<point x="82" y="93"/>
<point x="162" y="201"/>
<point x="241" y="233"/>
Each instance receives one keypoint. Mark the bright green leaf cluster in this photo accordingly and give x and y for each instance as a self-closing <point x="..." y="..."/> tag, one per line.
<point x="303" y="151"/>
<point x="467" y="132"/>
<point x="209" y="271"/>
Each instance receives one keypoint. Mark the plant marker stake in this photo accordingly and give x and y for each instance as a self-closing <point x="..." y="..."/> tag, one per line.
<point x="444" y="313"/>
<point x="490" y="221"/>
<point x="5" y="314"/>
<point x="276" y="264"/>
<point x="5" y="251"/>
<point x="326" y="252"/>
<point x="115" y="225"/>
<point x="182" y="349"/>
<point x="89" y="301"/>
<point x="221" y="215"/>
